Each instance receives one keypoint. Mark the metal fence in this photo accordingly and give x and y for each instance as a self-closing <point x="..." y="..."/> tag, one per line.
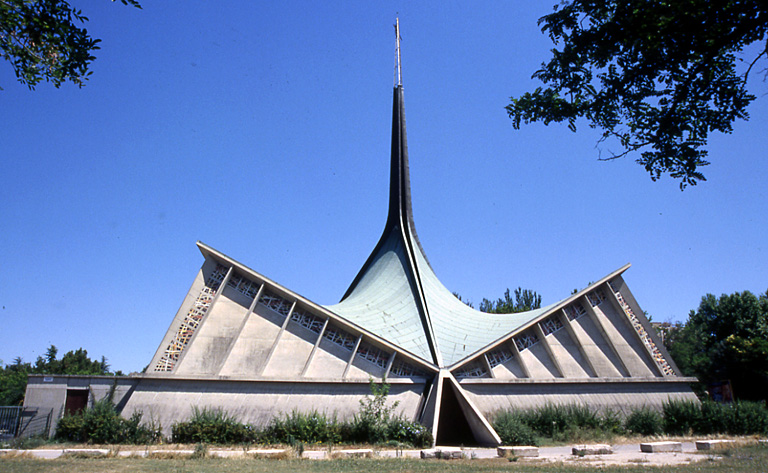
<point x="16" y="421"/>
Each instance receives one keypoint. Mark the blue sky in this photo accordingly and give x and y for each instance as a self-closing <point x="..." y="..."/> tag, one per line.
<point x="263" y="128"/>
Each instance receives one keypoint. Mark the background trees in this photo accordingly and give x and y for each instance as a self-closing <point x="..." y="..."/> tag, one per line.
<point x="656" y="76"/>
<point x="13" y="377"/>
<point x="726" y="339"/>
<point x="525" y="299"/>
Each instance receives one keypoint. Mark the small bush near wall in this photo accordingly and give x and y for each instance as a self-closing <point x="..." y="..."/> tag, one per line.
<point x="644" y="421"/>
<point x="311" y="427"/>
<point x="736" y="418"/>
<point x="103" y="424"/>
<point x="209" y="425"/>
<point x="513" y="430"/>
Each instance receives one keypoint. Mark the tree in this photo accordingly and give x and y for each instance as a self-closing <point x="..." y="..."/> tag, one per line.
<point x="726" y="339"/>
<point x="525" y="300"/>
<point x="42" y="41"/>
<point x="13" y="377"/>
<point x="657" y="76"/>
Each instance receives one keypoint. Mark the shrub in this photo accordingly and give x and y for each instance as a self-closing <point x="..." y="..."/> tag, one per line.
<point x="311" y="427"/>
<point x="101" y="423"/>
<point x="681" y="417"/>
<point x="513" y="430"/>
<point x="371" y="422"/>
<point x="748" y="418"/>
<point x="208" y="425"/>
<point x="612" y="422"/>
<point x="561" y="421"/>
<point x="405" y="432"/>
<point x="644" y="421"/>
<point x="713" y="418"/>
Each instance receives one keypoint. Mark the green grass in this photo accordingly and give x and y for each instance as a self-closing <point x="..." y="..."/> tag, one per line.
<point x="748" y="459"/>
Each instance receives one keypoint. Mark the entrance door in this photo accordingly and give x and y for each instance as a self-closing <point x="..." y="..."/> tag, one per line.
<point x="77" y="401"/>
<point x="453" y="428"/>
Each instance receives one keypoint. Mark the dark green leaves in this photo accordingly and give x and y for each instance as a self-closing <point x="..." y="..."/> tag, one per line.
<point x="42" y="40"/>
<point x="657" y="77"/>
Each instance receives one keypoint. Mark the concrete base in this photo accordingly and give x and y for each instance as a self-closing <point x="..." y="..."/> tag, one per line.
<point x="659" y="447"/>
<point x="506" y="452"/>
<point x="276" y="453"/>
<point x="598" y="449"/>
<point x="713" y="444"/>
<point x="353" y="453"/>
<point x="445" y="453"/>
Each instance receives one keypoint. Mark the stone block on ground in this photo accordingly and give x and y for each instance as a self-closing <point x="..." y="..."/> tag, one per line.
<point x="713" y="444"/>
<point x="353" y="453"/>
<point x="445" y="453"/>
<point x="517" y="451"/>
<point x="276" y="453"/>
<point x="661" y="447"/>
<point x="597" y="449"/>
<point x="86" y="451"/>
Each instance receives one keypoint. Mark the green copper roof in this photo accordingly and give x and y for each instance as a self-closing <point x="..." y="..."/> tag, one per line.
<point x="397" y="295"/>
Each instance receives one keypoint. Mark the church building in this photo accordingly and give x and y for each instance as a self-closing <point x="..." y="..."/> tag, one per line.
<point x="254" y="348"/>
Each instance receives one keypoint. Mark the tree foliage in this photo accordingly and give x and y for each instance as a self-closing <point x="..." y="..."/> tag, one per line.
<point x="726" y="339"/>
<point x="42" y="40"/>
<point x="13" y="377"/>
<point x="524" y="300"/>
<point x="658" y="76"/>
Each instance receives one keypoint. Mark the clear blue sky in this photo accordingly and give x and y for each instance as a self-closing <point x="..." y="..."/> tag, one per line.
<point x="263" y="128"/>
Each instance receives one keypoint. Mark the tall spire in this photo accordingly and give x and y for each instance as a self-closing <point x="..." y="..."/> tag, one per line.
<point x="399" y="223"/>
<point x="398" y="70"/>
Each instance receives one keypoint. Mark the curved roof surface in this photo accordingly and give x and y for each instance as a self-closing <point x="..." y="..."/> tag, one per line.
<point x="397" y="295"/>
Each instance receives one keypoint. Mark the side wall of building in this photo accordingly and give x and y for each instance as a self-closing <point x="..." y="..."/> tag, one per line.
<point x="166" y="401"/>
<point x="48" y="394"/>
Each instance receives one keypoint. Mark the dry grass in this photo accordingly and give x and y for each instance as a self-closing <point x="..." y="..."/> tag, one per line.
<point x="748" y="459"/>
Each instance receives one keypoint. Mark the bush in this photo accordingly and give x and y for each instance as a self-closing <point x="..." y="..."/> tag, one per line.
<point x="311" y="427"/>
<point x="681" y="417"/>
<point x="513" y="430"/>
<point x="208" y="425"/>
<point x="405" y="432"/>
<point x="371" y="422"/>
<point x="101" y="423"/>
<point x="749" y="418"/>
<point x="561" y="421"/>
<point x="644" y="421"/>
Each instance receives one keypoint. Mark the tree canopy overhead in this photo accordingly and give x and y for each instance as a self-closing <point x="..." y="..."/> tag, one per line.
<point x="42" y="40"/>
<point x="656" y="76"/>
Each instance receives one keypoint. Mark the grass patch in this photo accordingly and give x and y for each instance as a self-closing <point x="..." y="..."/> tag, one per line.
<point x="747" y="459"/>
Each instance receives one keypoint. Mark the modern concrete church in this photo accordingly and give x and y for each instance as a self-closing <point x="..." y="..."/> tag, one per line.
<point x="254" y="348"/>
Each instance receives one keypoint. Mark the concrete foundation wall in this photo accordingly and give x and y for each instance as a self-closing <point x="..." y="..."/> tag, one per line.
<point x="256" y="402"/>
<point x="600" y="395"/>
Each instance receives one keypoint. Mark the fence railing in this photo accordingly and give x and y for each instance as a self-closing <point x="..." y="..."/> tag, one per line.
<point x="17" y="421"/>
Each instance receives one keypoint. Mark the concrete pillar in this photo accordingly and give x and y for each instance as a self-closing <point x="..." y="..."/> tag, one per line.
<point x="352" y="358"/>
<point x="488" y="366"/>
<point x="389" y="364"/>
<point x="248" y="313"/>
<point x="277" y="338"/>
<point x="520" y="360"/>
<point x="548" y="348"/>
<point x="578" y="341"/>
<point x="314" y="348"/>
<point x="223" y="284"/>
<point x="599" y="324"/>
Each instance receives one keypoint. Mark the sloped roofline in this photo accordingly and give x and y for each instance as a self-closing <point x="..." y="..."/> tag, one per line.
<point x="210" y="252"/>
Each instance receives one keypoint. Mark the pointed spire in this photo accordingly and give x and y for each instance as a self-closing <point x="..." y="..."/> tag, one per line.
<point x="400" y="217"/>
<point x="398" y="70"/>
